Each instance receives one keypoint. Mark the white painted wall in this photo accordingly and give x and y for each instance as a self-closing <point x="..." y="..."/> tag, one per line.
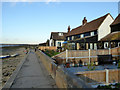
<point x="105" y="29"/>
<point x="59" y="41"/>
<point x="51" y="41"/>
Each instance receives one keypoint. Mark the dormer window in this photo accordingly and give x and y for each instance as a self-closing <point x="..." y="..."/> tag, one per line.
<point x="82" y="35"/>
<point x="68" y="38"/>
<point x="92" y="33"/>
<point x="72" y="37"/>
<point x="60" y="34"/>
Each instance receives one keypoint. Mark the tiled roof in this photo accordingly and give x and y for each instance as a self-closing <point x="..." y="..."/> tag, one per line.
<point x="117" y="20"/>
<point x="55" y="36"/>
<point x="111" y="37"/>
<point x="90" y="26"/>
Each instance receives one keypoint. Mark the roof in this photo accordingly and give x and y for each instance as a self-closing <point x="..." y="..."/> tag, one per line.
<point x="117" y="20"/>
<point x="90" y="26"/>
<point x="55" y="35"/>
<point x="112" y="37"/>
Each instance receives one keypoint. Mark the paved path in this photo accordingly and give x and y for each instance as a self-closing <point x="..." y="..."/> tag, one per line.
<point x="33" y="75"/>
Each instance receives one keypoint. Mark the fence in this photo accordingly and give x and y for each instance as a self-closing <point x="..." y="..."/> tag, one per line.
<point x="62" y="77"/>
<point x="47" y="47"/>
<point x="104" y="76"/>
<point x="88" y="55"/>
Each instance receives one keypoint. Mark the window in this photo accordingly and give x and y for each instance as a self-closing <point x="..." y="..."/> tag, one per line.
<point x="106" y="45"/>
<point x="118" y="44"/>
<point x="59" y="44"/>
<point x="86" y="45"/>
<point x="77" y="36"/>
<point x="68" y="38"/>
<point x="95" y="32"/>
<point x="60" y="34"/>
<point x="82" y="35"/>
<point x="87" y="34"/>
<point x="73" y="46"/>
<point x="91" y="46"/>
<point x="95" y="46"/>
<point x="72" y="37"/>
<point x="92" y="33"/>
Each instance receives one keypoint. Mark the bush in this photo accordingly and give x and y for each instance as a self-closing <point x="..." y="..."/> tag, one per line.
<point x="50" y="53"/>
<point x="91" y="66"/>
<point x="119" y="64"/>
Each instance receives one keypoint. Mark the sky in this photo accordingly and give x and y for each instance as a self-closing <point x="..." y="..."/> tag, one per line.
<point x="33" y="22"/>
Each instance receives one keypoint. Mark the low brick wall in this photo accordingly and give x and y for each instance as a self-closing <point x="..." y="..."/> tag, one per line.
<point x="100" y="76"/>
<point x="62" y="77"/>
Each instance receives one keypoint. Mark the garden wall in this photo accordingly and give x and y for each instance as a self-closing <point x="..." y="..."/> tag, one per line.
<point x="63" y="78"/>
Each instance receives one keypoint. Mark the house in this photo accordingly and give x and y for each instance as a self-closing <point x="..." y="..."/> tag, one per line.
<point x="113" y="39"/>
<point x="57" y="38"/>
<point x="89" y="34"/>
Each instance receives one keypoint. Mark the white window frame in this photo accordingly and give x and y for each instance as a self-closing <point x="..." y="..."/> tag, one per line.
<point x="68" y="38"/>
<point x="92" y="34"/>
<point x="72" y="37"/>
<point x="60" y="34"/>
<point x="91" y="45"/>
<point x="82" y="35"/>
<point x="105" y="43"/>
<point x="95" y="45"/>
<point x="118" y="44"/>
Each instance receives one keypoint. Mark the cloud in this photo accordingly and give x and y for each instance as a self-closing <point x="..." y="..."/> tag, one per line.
<point x="48" y="1"/>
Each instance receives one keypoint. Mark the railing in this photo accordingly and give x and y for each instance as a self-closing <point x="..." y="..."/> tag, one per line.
<point x="62" y="77"/>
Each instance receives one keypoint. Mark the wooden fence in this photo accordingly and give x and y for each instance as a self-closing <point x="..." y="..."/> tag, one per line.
<point x="86" y="55"/>
<point x="101" y="76"/>
<point x="47" y="47"/>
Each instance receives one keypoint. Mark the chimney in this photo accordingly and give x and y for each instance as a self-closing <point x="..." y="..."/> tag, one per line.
<point x="84" y="21"/>
<point x="68" y="28"/>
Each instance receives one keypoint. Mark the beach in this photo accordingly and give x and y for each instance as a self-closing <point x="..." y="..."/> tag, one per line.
<point x="10" y="64"/>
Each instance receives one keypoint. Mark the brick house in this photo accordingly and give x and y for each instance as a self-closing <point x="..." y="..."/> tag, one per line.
<point x="89" y="34"/>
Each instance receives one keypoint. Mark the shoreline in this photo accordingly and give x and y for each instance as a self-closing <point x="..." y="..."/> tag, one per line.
<point x="9" y="64"/>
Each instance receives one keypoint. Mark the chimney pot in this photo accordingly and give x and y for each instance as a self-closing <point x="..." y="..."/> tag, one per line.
<point x="68" y="28"/>
<point x="84" y="21"/>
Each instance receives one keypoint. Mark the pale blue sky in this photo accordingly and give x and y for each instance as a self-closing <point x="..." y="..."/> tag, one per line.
<point x="33" y="22"/>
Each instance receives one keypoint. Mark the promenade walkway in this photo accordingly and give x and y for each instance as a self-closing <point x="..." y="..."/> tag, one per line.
<point x="33" y="74"/>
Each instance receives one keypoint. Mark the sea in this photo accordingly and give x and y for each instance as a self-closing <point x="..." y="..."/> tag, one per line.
<point x="10" y="45"/>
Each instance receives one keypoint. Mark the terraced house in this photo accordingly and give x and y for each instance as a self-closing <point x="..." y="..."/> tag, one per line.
<point x="89" y="34"/>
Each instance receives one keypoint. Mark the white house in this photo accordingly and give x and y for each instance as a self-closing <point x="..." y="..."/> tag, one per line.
<point x="57" y="38"/>
<point x="89" y="34"/>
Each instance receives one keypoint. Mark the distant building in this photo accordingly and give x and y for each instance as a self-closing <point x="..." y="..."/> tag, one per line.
<point x="42" y="44"/>
<point x="57" y="39"/>
<point x="89" y="34"/>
